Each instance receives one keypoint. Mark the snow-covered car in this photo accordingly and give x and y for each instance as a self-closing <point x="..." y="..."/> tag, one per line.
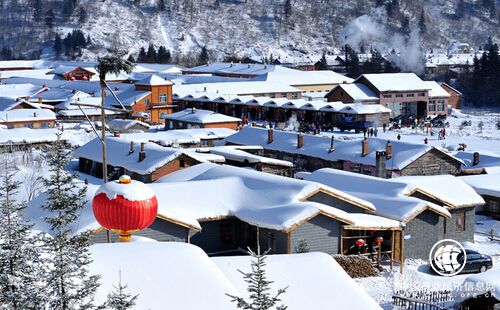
<point x="476" y="262"/>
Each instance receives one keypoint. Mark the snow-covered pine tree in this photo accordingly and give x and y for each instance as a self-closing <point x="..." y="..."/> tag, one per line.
<point x="302" y="246"/>
<point x="68" y="283"/>
<point x="258" y="285"/>
<point x="20" y="265"/>
<point x="118" y="299"/>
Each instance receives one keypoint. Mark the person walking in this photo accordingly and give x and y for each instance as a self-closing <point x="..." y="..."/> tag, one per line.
<point x="375" y="131"/>
<point x="399" y="136"/>
<point x="384" y="127"/>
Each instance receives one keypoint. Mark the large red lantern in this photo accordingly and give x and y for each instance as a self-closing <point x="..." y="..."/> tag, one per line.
<point x="360" y="242"/>
<point x="379" y="240"/>
<point x="125" y="206"/>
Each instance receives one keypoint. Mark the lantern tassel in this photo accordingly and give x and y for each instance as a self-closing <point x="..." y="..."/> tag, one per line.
<point x="125" y="236"/>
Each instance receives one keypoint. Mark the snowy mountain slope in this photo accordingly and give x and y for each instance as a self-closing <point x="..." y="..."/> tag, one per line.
<point x="255" y="28"/>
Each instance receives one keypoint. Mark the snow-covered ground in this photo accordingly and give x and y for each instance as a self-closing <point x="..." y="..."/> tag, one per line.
<point x="417" y="274"/>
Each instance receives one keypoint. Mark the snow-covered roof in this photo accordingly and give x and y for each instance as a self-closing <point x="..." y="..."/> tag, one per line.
<point x="55" y="94"/>
<point x="153" y="80"/>
<point x="41" y="74"/>
<point x="484" y="184"/>
<point x="200" y="117"/>
<point x="297" y="77"/>
<point x="62" y="69"/>
<point x="385" y="82"/>
<point x="176" y="274"/>
<point x="485" y="160"/>
<point x="436" y="91"/>
<point x="357" y="91"/>
<point x="27" y="135"/>
<point x="88" y="111"/>
<point x="479" y="284"/>
<point x="314" y="281"/>
<point x="232" y="68"/>
<point x="180" y="136"/>
<point x="453" y="192"/>
<point x="10" y="93"/>
<point x="359" y="108"/>
<point x="318" y="146"/>
<point x="6" y="64"/>
<point x="388" y="196"/>
<point x="237" y="88"/>
<point x="240" y="155"/>
<point x="157" y="68"/>
<point x="118" y="154"/>
<point x="27" y="115"/>
<point x="123" y="125"/>
<point x="195" y="281"/>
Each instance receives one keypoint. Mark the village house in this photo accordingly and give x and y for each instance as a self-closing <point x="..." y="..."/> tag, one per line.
<point x="16" y="96"/>
<point x="127" y="126"/>
<point x="431" y="207"/>
<point x="373" y="156"/>
<point x="70" y="73"/>
<point x="146" y="162"/>
<point x="438" y="99"/>
<point x="352" y="93"/>
<point x="29" y="118"/>
<point x="9" y="65"/>
<point x="477" y="163"/>
<point x="455" y="98"/>
<point x="488" y="186"/>
<point x="194" y="118"/>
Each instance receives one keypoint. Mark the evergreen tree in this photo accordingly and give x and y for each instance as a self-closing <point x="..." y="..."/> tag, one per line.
<point x="58" y="45"/>
<point x="161" y="5"/>
<point x="151" y="54"/>
<point x="37" y="11"/>
<point x="302" y="247"/>
<point x="323" y="64"/>
<point x="375" y="64"/>
<point x="68" y="8"/>
<point x="20" y="265"/>
<point x="460" y="9"/>
<point x="258" y="286"/>
<point x="163" y="55"/>
<point x="131" y="58"/>
<point x="405" y="26"/>
<point x="422" y="24"/>
<point x="82" y="15"/>
<point x="69" y="285"/>
<point x="352" y="61"/>
<point x="142" y="57"/>
<point x="203" y="57"/>
<point x="49" y="19"/>
<point x="287" y="9"/>
<point x="119" y="299"/>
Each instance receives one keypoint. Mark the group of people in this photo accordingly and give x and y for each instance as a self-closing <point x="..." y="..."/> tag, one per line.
<point x="372" y="132"/>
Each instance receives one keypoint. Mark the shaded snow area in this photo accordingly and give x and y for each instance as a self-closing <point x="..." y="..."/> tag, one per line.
<point x="418" y="275"/>
<point x="171" y="275"/>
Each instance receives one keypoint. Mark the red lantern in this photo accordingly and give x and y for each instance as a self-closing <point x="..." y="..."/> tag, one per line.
<point x="125" y="206"/>
<point x="379" y="240"/>
<point x="360" y="242"/>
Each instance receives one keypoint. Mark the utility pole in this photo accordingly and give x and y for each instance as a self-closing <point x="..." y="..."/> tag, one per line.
<point x="103" y="142"/>
<point x="345" y="51"/>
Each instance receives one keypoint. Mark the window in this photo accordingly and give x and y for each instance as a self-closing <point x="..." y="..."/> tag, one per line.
<point x="148" y="102"/>
<point x="226" y="233"/>
<point x="440" y="105"/>
<point x="399" y="95"/>
<point x="460" y="222"/>
<point x="367" y="171"/>
<point x="283" y="95"/>
<point x="29" y="125"/>
<point x="294" y="96"/>
<point x="182" y="163"/>
<point x="421" y="94"/>
<point x="444" y="226"/>
<point x="272" y="242"/>
<point x="163" y="97"/>
<point x="410" y="95"/>
<point x="432" y="106"/>
<point x="387" y="96"/>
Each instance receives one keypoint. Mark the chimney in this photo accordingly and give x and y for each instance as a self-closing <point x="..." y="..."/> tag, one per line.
<point x="131" y="147"/>
<point x="380" y="164"/>
<point x="142" y="153"/>
<point x="254" y="124"/>
<point x="364" y="147"/>
<point x="332" y="144"/>
<point x="116" y="134"/>
<point x="388" y="150"/>
<point x="475" y="160"/>
<point x="270" y="136"/>
<point x="39" y="100"/>
<point x="300" y="140"/>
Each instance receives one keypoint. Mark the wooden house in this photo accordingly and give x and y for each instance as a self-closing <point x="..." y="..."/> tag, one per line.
<point x="146" y="162"/>
<point x="374" y="156"/>
<point x="28" y="118"/>
<point x="77" y="73"/>
<point x="455" y="98"/>
<point x="352" y="93"/>
<point x="488" y="187"/>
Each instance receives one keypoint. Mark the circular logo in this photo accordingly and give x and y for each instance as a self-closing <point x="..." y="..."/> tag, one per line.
<point x="447" y="257"/>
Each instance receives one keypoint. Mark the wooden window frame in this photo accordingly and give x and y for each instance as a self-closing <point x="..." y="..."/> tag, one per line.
<point x="458" y="226"/>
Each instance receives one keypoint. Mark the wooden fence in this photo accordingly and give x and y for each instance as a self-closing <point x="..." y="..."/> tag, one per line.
<point x="421" y="300"/>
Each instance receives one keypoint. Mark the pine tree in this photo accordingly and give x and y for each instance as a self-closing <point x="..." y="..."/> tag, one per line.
<point x="352" y="62"/>
<point x="422" y="23"/>
<point x="37" y="11"/>
<point x="142" y="57"/>
<point x="49" y="19"/>
<point x="119" y="299"/>
<point x="323" y="63"/>
<point x="460" y="9"/>
<point x="58" y="45"/>
<point x="161" y="5"/>
<point x="163" y="55"/>
<point x="20" y="252"/>
<point x="68" y="283"/>
<point x="258" y="286"/>
<point x="203" y="58"/>
<point x="151" y="54"/>
<point x="302" y="247"/>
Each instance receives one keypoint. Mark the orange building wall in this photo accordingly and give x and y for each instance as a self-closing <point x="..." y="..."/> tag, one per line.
<point x="230" y="125"/>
